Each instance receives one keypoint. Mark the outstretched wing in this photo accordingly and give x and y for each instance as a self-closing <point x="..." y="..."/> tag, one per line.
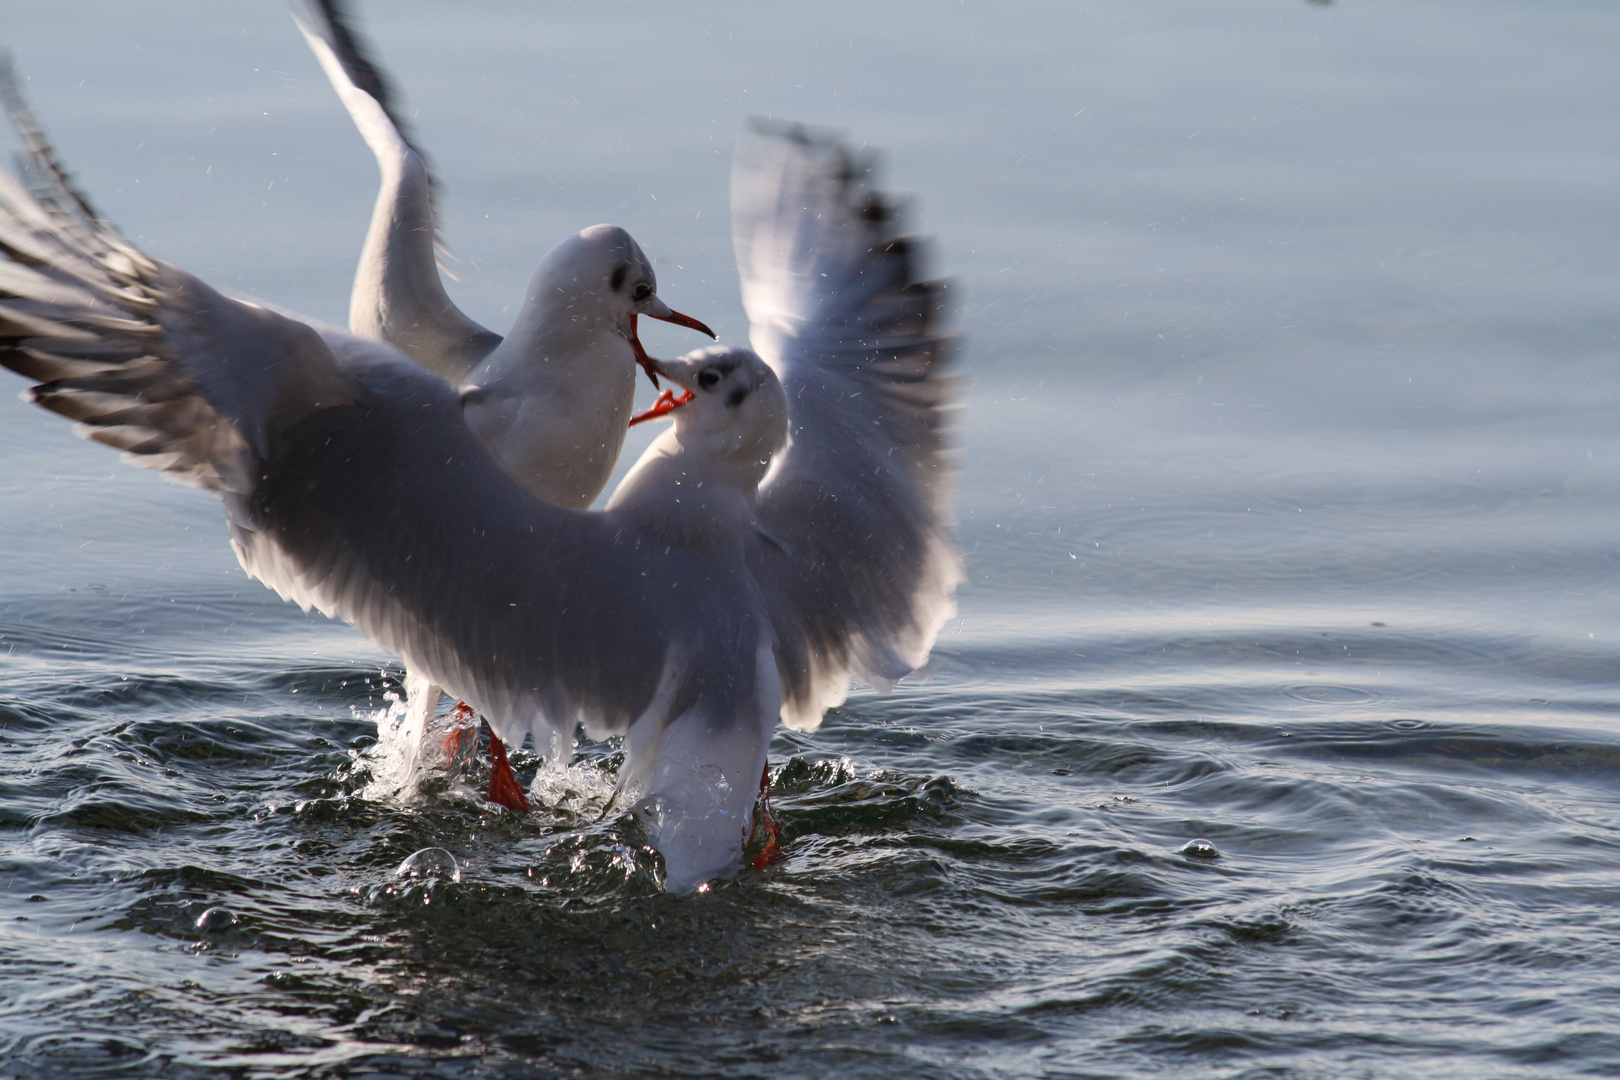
<point x="398" y="295"/>
<point x="853" y="553"/>
<point x="351" y="484"/>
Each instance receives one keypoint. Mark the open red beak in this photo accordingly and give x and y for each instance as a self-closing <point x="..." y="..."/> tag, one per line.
<point x="668" y="315"/>
<point x="667" y="401"/>
<point x="682" y="320"/>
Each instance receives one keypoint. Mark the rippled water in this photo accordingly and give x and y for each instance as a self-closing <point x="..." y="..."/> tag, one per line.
<point x="1291" y="488"/>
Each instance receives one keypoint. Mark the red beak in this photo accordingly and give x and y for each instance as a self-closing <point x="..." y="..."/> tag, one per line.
<point x="640" y="352"/>
<point x="675" y="317"/>
<point x="642" y="358"/>
<point x="684" y="320"/>
<point x="667" y="403"/>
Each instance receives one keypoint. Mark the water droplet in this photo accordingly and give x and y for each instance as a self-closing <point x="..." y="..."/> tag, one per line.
<point x="431" y="863"/>
<point x="217" y="918"/>
<point x="1200" y="849"/>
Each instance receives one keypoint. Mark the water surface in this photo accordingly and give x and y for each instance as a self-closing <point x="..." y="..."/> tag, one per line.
<point x="1291" y="496"/>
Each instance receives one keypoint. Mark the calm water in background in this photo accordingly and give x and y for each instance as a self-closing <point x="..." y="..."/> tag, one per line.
<point x="1290" y="487"/>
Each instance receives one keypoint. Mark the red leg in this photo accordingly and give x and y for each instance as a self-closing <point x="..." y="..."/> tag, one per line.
<point x="503" y="786"/>
<point x="766" y="831"/>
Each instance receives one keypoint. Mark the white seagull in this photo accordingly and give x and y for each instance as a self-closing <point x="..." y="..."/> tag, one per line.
<point x="553" y="399"/>
<point x="787" y="533"/>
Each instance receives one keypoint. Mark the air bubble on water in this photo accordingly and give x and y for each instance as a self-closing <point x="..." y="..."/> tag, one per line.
<point x="1200" y="849"/>
<point x="217" y="918"/>
<point x="429" y="864"/>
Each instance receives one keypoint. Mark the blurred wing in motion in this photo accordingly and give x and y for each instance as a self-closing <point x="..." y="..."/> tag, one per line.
<point x="398" y="294"/>
<point x="54" y="187"/>
<point x="852" y="552"/>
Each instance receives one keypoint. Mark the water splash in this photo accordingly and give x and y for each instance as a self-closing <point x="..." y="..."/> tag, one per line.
<point x="420" y="751"/>
<point x="572" y="789"/>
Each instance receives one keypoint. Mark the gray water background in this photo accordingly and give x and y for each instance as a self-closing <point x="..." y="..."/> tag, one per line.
<point x="1290" y="490"/>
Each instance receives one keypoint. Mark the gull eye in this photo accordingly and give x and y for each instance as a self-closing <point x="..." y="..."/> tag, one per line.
<point x="708" y="379"/>
<point x="641" y="292"/>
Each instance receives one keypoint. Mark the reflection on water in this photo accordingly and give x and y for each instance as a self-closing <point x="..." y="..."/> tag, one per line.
<point x="1290" y="491"/>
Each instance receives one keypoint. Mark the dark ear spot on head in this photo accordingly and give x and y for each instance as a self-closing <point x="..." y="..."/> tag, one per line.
<point x="620" y="272"/>
<point x="735" y="398"/>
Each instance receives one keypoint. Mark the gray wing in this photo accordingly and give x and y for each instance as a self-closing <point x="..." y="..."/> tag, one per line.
<point x="351" y="485"/>
<point x="398" y="295"/>
<point x="853" y="552"/>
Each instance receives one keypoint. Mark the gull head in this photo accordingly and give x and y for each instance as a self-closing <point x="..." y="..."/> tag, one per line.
<point x="735" y="411"/>
<point x="600" y="276"/>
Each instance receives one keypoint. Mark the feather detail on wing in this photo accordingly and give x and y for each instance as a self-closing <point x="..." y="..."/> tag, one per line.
<point x="398" y="294"/>
<point x="77" y="313"/>
<point x="853" y="552"/>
